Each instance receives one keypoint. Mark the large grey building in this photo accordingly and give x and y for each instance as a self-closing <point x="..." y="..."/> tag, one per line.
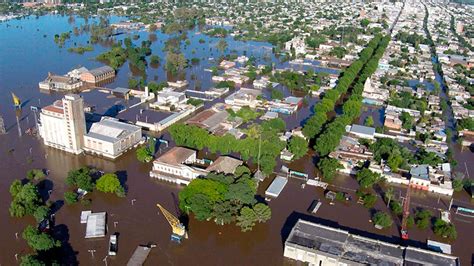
<point x="322" y="245"/>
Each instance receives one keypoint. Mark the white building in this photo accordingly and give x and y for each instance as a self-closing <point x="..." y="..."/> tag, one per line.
<point x="175" y="166"/>
<point x="179" y="165"/>
<point x="111" y="138"/>
<point x="60" y="83"/>
<point x="62" y="124"/>
<point x="298" y="44"/>
<point x="169" y="97"/>
<point x="244" y="97"/>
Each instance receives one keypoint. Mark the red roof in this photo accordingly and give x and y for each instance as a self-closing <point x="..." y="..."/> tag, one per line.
<point x="54" y="109"/>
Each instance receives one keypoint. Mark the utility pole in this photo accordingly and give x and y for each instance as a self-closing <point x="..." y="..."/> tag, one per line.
<point x="2" y="126"/>
<point x="467" y="171"/>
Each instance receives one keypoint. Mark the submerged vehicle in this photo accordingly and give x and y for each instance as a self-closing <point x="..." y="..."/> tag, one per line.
<point x="113" y="247"/>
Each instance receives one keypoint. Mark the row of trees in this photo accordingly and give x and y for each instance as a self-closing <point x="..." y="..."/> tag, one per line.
<point x="315" y="123"/>
<point x="225" y="199"/>
<point x="333" y="132"/>
<point x="271" y="145"/>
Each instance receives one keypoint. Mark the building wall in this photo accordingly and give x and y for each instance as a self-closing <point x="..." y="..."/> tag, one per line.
<point x="112" y="149"/>
<point x="65" y="130"/>
<point x="75" y="122"/>
<point x="52" y="130"/>
<point x="311" y="257"/>
<point x="89" y="78"/>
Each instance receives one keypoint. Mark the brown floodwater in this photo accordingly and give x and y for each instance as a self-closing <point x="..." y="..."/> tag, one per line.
<point x="141" y="223"/>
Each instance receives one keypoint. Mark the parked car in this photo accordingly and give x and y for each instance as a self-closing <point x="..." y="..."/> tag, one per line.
<point x="113" y="245"/>
<point x="314" y="207"/>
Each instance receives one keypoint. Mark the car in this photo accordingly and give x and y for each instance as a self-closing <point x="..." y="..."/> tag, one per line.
<point x="113" y="245"/>
<point x="44" y="226"/>
<point x="314" y="207"/>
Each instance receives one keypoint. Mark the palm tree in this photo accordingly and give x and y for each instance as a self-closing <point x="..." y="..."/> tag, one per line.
<point x="222" y="45"/>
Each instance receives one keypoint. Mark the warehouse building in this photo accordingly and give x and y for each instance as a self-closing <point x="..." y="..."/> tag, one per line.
<point x="322" y="245"/>
<point x="97" y="75"/>
<point x="111" y="138"/>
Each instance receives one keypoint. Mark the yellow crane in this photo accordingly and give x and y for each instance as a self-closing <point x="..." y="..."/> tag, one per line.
<point x="16" y="101"/>
<point x="178" y="229"/>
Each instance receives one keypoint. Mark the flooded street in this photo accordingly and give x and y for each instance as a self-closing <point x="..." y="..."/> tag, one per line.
<point x="136" y="218"/>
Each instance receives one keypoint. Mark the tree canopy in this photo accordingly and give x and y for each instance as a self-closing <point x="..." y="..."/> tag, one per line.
<point x="38" y="240"/>
<point x="298" y="146"/>
<point x="26" y="199"/>
<point x="81" y="178"/>
<point x="224" y="198"/>
<point x="382" y="219"/>
<point x="328" y="167"/>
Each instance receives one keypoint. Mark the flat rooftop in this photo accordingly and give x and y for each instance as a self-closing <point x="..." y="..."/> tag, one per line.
<point x="95" y="225"/>
<point x="276" y="187"/>
<point x="349" y="248"/>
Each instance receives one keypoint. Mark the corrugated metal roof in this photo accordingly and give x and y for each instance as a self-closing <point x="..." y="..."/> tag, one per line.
<point x="95" y="225"/>
<point x="101" y="70"/>
<point x="358" y="129"/>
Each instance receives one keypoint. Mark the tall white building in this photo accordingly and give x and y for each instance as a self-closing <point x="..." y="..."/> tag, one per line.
<point x="63" y="125"/>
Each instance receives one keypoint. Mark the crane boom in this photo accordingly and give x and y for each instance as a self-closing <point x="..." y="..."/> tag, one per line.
<point x="406" y="213"/>
<point x="178" y="229"/>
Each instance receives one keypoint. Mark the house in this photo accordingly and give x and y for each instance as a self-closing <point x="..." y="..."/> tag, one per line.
<point x="297" y="44"/>
<point x="288" y="106"/>
<point x="210" y="119"/>
<point x="227" y="64"/>
<point x="178" y="84"/>
<point x="180" y="165"/>
<point x="168" y="96"/>
<point x="467" y="138"/>
<point x="97" y="75"/>
<point x="111" y="138"/>
<point x="176" y="166"/>
<point x="359" y="131"/>
<point x="60" y="83"/>
<point x="420" y="177"/>
<point x="225" y="165"/>
<point x="286" y="155"/>
<point x="244" y="97"/>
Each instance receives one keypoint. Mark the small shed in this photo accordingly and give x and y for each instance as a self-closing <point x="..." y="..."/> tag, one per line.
<point x="96" y="225"/>
<point x="84" y="215"/>
<point x="121" y="92"/>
